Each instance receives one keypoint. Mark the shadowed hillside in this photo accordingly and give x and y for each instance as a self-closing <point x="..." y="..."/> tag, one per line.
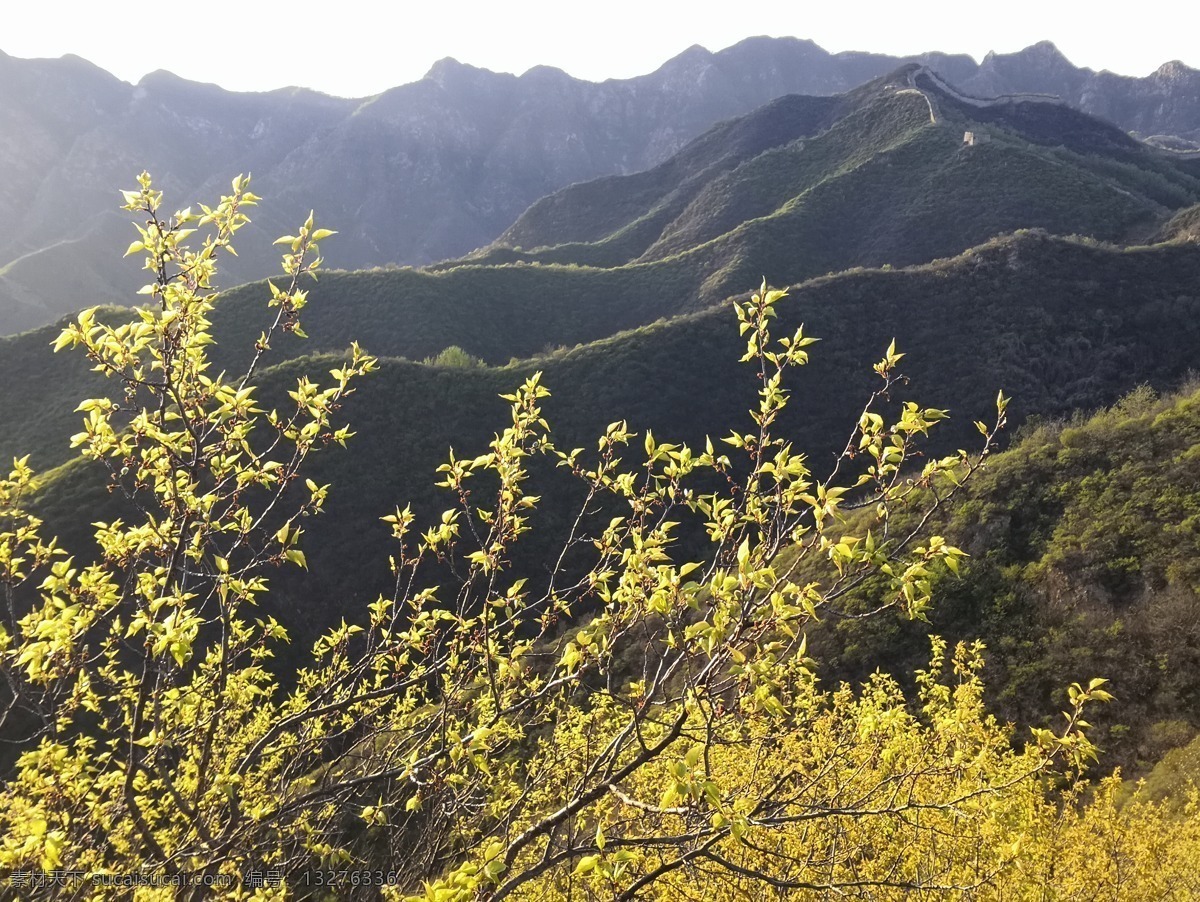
<point x="1058" y="324"/>
<point x="890" y="181"/>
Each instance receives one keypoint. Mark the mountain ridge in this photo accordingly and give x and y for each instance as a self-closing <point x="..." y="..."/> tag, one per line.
<point x="797" y="189"/>
<point x="419" y="173"/>
<point x="1059" y="324"/>
<point x="912" y="124"/>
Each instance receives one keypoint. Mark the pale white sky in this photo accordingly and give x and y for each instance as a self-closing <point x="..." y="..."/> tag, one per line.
<point x="355" y="48"/>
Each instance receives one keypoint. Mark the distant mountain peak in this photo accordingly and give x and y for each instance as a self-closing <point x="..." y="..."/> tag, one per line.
<point x="1173" y="71"/>
<point x="1043" y="53"/>
<point x="546" y="72"/>
<point x="762" y="41"/>
<point x="163" y="81"/>
<point x="449" y="68"/>
<point x="695" y="51"/>
<point x="690" y="58"/>
<point x="1046" y="48"/>
<point x="160" y="76"/>
<point x="445" y="64"/>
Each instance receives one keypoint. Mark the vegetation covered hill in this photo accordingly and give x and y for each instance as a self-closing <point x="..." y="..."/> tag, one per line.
<point x="616" y="201"/>
<point x="1059" y="324"/>
<point x="889" y="181"/>
<point x="473" y="737"/>
<point x="1183" y="226"/>
<point x="1084" y="547"/>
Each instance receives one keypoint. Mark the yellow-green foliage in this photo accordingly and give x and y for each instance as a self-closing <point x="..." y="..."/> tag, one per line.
<point x="859" y="795"/>
<point x="630" y="725"/>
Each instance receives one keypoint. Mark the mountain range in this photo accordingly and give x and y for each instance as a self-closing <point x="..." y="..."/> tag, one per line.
<point x="800" y="188"/>
<point x="425" y="171"/>
<point x="1013" y="242"/>
<point x="1059" y="324"/>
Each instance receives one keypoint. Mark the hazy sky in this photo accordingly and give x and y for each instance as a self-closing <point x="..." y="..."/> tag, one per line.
<point x="352" y="48"/>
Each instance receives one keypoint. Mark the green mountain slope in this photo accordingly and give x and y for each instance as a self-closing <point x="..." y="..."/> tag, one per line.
<point x="1059" y="324"/>
<point x="1044" y="165"/>
<point x="873" y="182"/>
<point x="1085" y="544"/>
<point x="616" y="201"/>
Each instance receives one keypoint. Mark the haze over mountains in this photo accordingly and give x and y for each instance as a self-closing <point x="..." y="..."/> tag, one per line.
<point x="425" y="171"/>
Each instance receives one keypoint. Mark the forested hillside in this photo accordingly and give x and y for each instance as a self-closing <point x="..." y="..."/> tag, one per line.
<point x="802" y="187"/>
<point x="1058" y="324"/>
<point x="891" y="177"/>
<point x="1082" y="540"/>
